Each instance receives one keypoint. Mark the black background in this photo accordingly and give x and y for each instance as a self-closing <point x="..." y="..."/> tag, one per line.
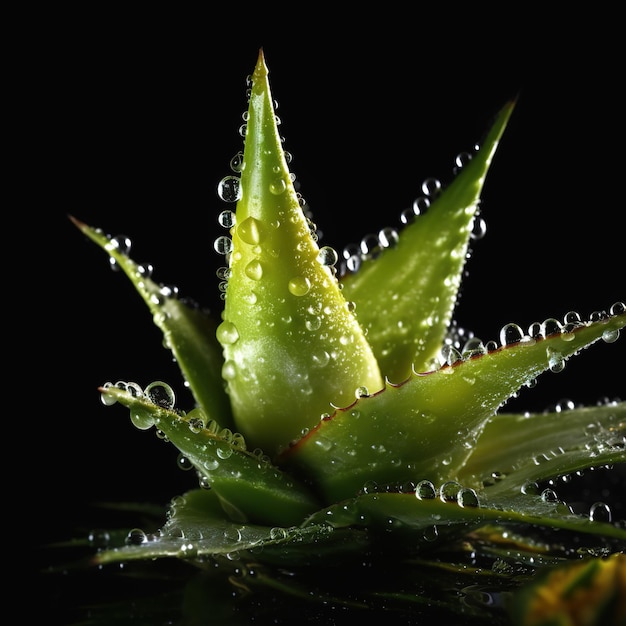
<point x="129" y="122"/>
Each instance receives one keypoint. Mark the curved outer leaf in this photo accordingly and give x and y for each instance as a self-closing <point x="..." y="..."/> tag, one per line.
<point x="427" y="426"/>
<point x="187" y="331"/>
<point x="198" y="527"/>
<point x="248" y="485"/>
<point x="289" y="338"/>
<point x="406" y="295"/>
<point x="523" y="449"/>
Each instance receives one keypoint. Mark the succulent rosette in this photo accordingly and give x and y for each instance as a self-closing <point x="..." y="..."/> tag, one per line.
<point x="342" y="418"/>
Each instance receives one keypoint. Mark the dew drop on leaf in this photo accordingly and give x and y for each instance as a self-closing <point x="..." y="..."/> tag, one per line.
<point x="431" y="187"/>
<point x="327" y="256"/>
<point x="224" y="451"/>
<point x="183" y="462"/>
<point x="227" y="333"/>
<point x="549" y="495"/>
<point x="161" y="394"/>
<point x="223" y="245"/>
<point x="229" y="189"/>
<point x="551" y="326"/>
<point x="449" y="490"/>
<point x="467" y="498"/>
<point x="236" y="163"/>
<point x="610" y="336"/>
<point x="136" y="537"/>
<point x="556" y="362"/>
<point x="510" y="334"/>
<point x="250" y="231"/>
<point x="299" y="286"/>
<point x="254" y="270"/>
<point x="141" y="418"/>
<point x="600" y="512"/>
<point x="278" y="186"/>
<point x="425" y="490"/>
<point x="227" y="219"/>
<point x="618" y="308"/>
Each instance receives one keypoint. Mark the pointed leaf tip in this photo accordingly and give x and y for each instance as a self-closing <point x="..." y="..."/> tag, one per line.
<point x="287" y="334"/>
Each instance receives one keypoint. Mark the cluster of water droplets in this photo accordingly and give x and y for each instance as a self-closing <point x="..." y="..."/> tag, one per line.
<point x="372" y="244"/>
<point x="158" y="393"/>
<point x="229" y="190"/>
<point x="461" y="345"/>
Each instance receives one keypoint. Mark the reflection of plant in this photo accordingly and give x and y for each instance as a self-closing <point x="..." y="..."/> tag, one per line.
<point x="342" y="418"/>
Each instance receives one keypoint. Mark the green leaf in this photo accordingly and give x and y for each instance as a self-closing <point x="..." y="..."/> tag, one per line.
<point x="198" y="527"/>
<point x="291" y="345"/>
<point x="248" y="485"/>
<point x="187" y="331"/>
<point x="453" y="508"/>
<point x="427" y="426"/>
<point x="524" y="449"/>
<point x="589" y="592"/>
<point x="405" y="296"/>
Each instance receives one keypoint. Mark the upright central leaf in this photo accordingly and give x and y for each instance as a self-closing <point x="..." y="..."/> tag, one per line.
<point x="292" y="347"/>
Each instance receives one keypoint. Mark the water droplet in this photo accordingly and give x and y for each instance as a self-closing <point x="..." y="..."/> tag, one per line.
<point x="227" y="333"/>
<point x="187" y="551"/>
<point x="467" y="498"/>
<point x="511" y="334"/>
<point x="617" y="308"/>
<point x="600" y="512"/>
<point x="551" y="326"/>
<point x="250" y="231"/>
<point x="425" y="490"/>
<point x="610" y="336"/>
<point x="549" y="495"/>
<point x="320" y="358"/>
<point x="430" y="533"/>
<point x="254" y="270"/>
<point x="229" y="189"/>
<point x="530" y="488"/>
<point x="327" y="256"/>
<point x="161" y="394"/>
<point x="473" y="347"/>
<point x="196" y="420"/>
<point x="184" y="463"/>
<point x="229" y="370"/>
<point x="361" y="392"/>
<point x="277" y="533"/>
<point x="556" y="362"/>
<point x="236" y="163"/>
<point x="99" y="538"/>
<point x="420" y="205"/>
<point x="141" y="418"/>
<point x="136" y="537"/>
<point x="479" y="228"/>
<point x="449" y="490"/>
<point x="450" y="355"/>
<point x="431" y="187"/>
<point x="223" y="245"/>
<point x="388" y="237"/>
<point x="223" y="450"/>
<point x="299" y="286"/>
<point x="278" y="186"/>
<point x="227" y="219"/>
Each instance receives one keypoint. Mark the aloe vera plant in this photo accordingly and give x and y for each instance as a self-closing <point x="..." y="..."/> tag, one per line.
<point x="350" y="441"/>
